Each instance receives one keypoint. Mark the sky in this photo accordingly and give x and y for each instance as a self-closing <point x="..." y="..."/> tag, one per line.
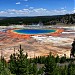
<point x="12" y="8"/>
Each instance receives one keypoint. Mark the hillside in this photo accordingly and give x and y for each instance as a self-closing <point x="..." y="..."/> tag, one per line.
<point x="46" y="20"/>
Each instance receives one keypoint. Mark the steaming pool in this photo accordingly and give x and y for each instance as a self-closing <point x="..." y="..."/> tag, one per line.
<point x="34" y="31"/>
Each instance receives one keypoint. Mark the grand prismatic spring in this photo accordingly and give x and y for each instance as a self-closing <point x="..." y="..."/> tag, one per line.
<point x="38" y="42"/>
<point x="34" y="31"/>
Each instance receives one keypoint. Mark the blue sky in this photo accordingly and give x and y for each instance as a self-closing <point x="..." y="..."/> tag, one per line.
<point x="36" y="7"/>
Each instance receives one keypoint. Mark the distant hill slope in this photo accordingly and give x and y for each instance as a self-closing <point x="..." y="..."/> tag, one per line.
<point x="46" y="20"/>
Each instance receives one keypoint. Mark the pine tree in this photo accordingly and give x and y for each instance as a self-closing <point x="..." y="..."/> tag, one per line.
<point x="57" y="59"/>
<point x="56" y="71"/>
<point x="35" y="71"/>
<point x="4" y="68"/>
<point x="62" y="59"/>
<point x="19" y="63"/>
<point x="71" y="69"/>
<point x="50" y="65"/>
<point x="13" y="63"/>
<point x="64" y="70"/>
<point x="73" y="48"/>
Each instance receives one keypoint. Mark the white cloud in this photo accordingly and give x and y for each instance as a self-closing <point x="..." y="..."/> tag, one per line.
<point x="3" y="12"/>
<point x="74" y="11"/>
<point x="34" y="12"/>
<point x="18" y="3"/>
<point x="62" y="8"/>
<point x="31" y="7"/>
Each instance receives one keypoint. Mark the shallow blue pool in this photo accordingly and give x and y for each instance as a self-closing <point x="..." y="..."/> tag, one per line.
<point x="33" y="31"/>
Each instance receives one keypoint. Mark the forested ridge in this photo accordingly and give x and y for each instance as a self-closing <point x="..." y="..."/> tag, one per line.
<point x="46" y="20"/>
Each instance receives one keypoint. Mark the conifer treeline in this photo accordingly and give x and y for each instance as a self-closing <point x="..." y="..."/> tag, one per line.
<point x="19" y="64"/>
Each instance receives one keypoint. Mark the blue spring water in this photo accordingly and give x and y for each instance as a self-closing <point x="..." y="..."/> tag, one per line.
<point x="33" y="31"/>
